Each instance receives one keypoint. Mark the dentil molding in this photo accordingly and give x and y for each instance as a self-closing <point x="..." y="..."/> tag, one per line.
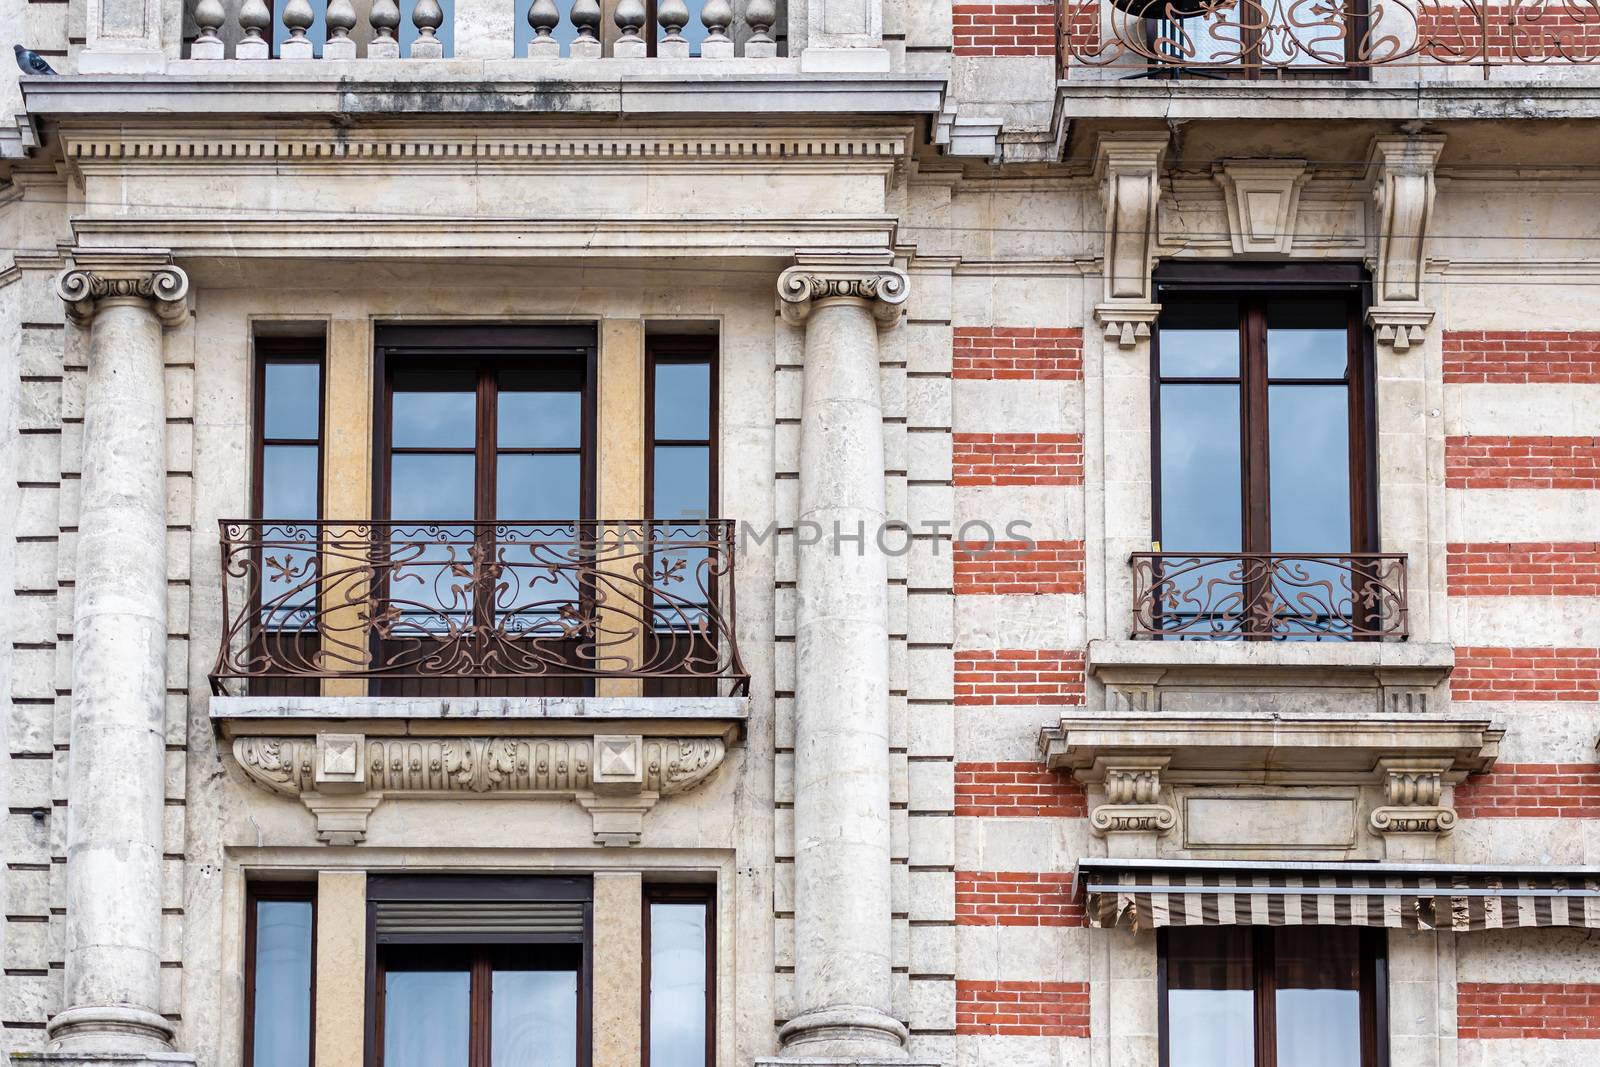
<point x="96" y="278"/>
<point x="342" y="777"/>
<point x="882" y="289"/>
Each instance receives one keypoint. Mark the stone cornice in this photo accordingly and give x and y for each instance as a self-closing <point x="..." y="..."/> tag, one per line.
<point x="882" y="289"/>
<point x="96" y="278"/>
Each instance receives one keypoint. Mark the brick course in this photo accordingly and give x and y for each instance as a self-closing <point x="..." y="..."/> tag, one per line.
<point x="1016" y="567"/>
<point x="1526" y="674"/>
<point x="1532" y="791"/>
<point x="1017" y="459"/>
<point x="1545" y="568"/>
<point x="1521" y="357"/>
<point x="1019" y="676"/>
<point x="1004" y="29"/>
<point x="1024" y="1009"/>
<point x="1017" y="353"/>
<point x="1019" y="790"/>
<point x="1522" y="462"/>
<point x="1548" y="1010"/>
<point x="1016" y="898"/>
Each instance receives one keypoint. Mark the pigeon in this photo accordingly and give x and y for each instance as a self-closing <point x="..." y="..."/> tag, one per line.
<point x="31" y="62"/>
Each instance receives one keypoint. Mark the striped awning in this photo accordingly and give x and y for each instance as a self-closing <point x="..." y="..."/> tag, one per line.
<point x="1146" y="894"/>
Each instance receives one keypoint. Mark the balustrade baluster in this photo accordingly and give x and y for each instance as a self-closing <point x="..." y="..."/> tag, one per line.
<point x="586" y="17"/>
<point x="544" y="17"/>
<point x="209" y="16"/>
<point x="297" y="19"/>
<point x="761" y="14"/>
<point x="255" y="22"/>
<point x="341" y="20"/>
<point x="630" y="20"/>
<point x="717" y="15"/>
<point x="427" y="17"/>
<point x="385" y="20"/>
<point x="673" y="15"/>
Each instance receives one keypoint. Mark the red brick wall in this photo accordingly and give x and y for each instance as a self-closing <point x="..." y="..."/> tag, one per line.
<point x="1017" y="353"/>
<point x="1526" y="674"/>
<point x="1532" y="791"/>
<point x="1549" y="1010"/>
<point x="1019" y="676"/>
<point x="1021" y="790"/>
<point x="1556" y="34"/>
<point x="1004" y="29"/>
<point x="985" y="569"/>
<point x="1016" y="898"/>
<point x="1570" y="568"/>
<point x="1017" y="458"/>
<point x="1026" y="1009"/>
<point x="1522" y="462"/>
<point x="1521" y="356"/>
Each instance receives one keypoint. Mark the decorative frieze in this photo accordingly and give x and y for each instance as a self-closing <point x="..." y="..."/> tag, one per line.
<point x="342" y="777"/>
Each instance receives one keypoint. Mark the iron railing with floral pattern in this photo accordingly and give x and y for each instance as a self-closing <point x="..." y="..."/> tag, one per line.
<point x="1317" y="38"/>
<point x="640" y="599"/>
<point x="1269" y="596"/>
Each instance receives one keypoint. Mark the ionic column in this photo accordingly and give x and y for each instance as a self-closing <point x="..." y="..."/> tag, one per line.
<point x="115" y="786"/>
<point x="841" y="805"/>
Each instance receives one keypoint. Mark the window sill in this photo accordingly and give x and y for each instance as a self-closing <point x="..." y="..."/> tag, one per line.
<point x="1436" y="658"/>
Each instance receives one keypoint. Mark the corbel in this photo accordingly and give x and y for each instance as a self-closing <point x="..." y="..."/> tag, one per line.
<point x="1133" y="798"/>
<point x="1128" y="168"/>
<point x="1400" y="174"/>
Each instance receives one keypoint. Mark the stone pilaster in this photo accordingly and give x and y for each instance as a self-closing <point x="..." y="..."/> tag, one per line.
<point x="115" y="788"/>
<point x="841" y="807"/>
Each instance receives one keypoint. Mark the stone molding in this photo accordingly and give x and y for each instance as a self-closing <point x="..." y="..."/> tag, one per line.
<point x="95" y="279"/>
<point x="882" y="289"/>
<point x="1400" y="171"/>
<point x="1128" y="169"/>
<point x="1263" y="202"/>
<point x="1414" y="800"/>
<point x="342" y="777"/>
<point x="1133" y="798"/>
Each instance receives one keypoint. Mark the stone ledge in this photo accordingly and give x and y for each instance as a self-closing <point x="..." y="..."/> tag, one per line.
<point x="104" y="1059"/>
<point x="1365" y="656"/>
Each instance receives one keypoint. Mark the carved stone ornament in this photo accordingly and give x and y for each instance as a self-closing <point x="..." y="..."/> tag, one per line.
<point x="1401" y="175"/>
<point x="1128" y="167"/>
<point x="882" y="289"/>
<point x="1263" y="202"/>
<point x="343" y="777"/>
<point x="1133" y="801"/>
<point x="1413" y="801"/>
<point x="94" y="281"/>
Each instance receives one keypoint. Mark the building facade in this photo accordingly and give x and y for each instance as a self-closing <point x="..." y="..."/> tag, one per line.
<point x="839" y="532"/>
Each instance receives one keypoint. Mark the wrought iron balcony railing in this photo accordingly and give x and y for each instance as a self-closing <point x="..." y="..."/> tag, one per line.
<point x="1271" y="596"/>
<point x="480" y="608"/>
<point x="1319" y="38"/>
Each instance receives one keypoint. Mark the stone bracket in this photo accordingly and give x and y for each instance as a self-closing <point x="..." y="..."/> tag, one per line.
<point x="1413" y="793"/>
<point x="1133" y="797"/>
<point x="1128" y="168"/>
<point x="1400" y="172"/>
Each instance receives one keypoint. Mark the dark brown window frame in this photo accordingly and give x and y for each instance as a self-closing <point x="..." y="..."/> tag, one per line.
<point x="655" y="893"/>
<point x="1252" y="285"/>
<point x="1374" y="996"/>
<point x="446" y="887"/>
<point x="255" y="892"/>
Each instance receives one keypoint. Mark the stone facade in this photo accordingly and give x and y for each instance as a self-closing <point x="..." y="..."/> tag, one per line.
<point x="930" y="266"/>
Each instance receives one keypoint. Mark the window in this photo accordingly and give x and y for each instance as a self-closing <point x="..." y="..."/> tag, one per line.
<point x="1273" y="996"/>
<point x="679" y="977"/>
<point x="470" y="971"/>
<point x="280" y="969"/>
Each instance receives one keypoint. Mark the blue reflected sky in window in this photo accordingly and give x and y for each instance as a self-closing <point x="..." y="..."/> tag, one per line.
<point x="536" y="487"/>
<point x="534" y="1019"/>
<point x="683" y="401"/>
<point x="431" y="487"/>
<point x="1200" y="340"/>
<point x="434" y="419"/>
<point x="425" y="1019"/>
<point x="682" y="483"/>
<point x="1310" y="467"/>
<point x="1212" y="1027"/>
<point x="543" y="419"/>
<point x="565" y="33"/>
<point x="446" y="31"/>
<point x="292" y="401"/>
<point x="1307" y="339"/>
<point x="1200" y="470"/>
<point x="282" y="1035"/>
<point x="677" y="984"/>
<point x="289" y="482"/>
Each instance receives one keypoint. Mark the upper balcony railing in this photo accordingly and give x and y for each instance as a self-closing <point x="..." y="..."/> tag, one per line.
<point x="483" y="29"/>
<point x="479" y="608"/>
<point x="1285" y="39"/>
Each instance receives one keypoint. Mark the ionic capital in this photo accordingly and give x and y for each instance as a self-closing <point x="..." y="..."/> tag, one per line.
<point x="882" y="290"/>
<point x="96" y="279"/>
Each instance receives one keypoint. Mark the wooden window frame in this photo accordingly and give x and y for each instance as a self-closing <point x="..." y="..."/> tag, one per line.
<point x="680" y="894"/>
<point x="255" y="893"/>
<point x="1374" y="995"/>
<point x="684" y="351"/>
<point x="443" y="887"/>
<point x="1253" y="285"/>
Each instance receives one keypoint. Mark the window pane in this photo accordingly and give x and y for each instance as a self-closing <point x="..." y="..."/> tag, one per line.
<point x="683" y="401"/>
<point x="445" y="415"/>
<point x="1319" y="996"/>
<point x="292" y="401"/>
<point x="1200" y="340"/>
<point x="289" y="482"/>
<point x="540" y="419"/>
<point x="424" y="487"/>
<point x="1310" y="460"/>
<point x="1307" y="339"/>
<point x="1200" y="486"/>
<point x="425" y="1018"/>
<point x="677" y="985"/>
<point x="535" y="1019"/>
<point x="682" y="486"/>
<point x="1211" y="998"/>
<point x="538" y="487"/>
<point x="282" y="984"/>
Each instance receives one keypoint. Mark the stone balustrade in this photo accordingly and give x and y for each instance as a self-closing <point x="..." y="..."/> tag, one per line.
<point x="484" y="29"/>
